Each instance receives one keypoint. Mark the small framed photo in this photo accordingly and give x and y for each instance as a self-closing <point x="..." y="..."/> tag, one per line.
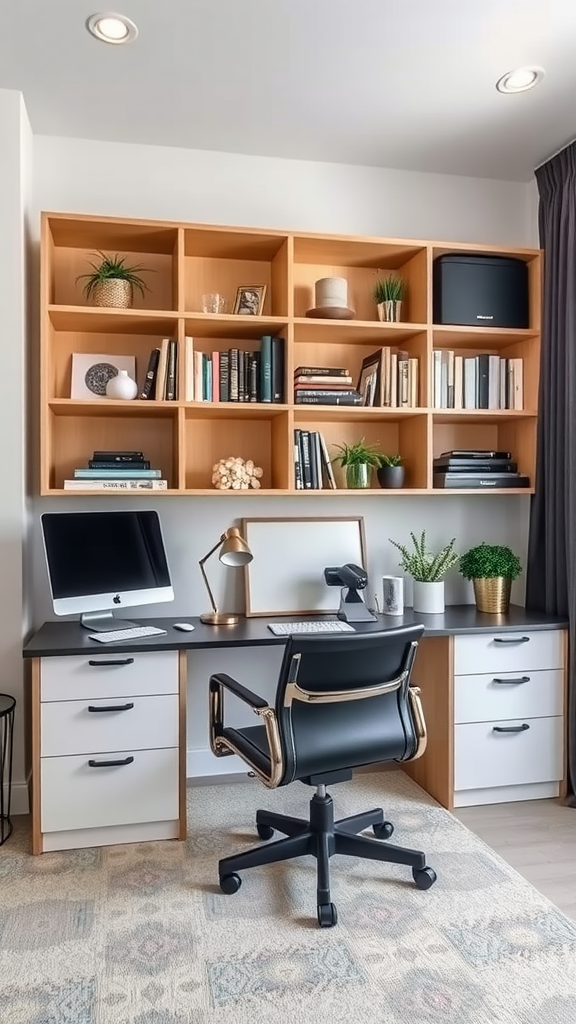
<point x="369" y="381"/>
<point x="250" y="300"/>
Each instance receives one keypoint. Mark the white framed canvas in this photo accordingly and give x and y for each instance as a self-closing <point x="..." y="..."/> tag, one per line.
<point x="91" y="373"/>
<point x="286" y="575"/>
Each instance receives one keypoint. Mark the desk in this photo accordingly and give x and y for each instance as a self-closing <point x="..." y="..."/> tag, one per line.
<point x="474" y="670"/>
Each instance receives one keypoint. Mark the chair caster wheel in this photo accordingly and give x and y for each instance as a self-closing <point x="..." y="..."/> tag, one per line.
<point x="327" y="915"/>
<point x="383" y="831"/>
<point x="230" y="884"/>
<point x="265" y="831"/>
<point x="424" y="877"/>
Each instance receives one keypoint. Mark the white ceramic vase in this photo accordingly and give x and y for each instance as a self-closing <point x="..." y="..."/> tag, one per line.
<point x="428" y="598"/>
<point x="121" y="386"/>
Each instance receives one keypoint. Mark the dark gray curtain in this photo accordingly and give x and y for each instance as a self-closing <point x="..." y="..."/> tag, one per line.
<point x="551" y="571"/>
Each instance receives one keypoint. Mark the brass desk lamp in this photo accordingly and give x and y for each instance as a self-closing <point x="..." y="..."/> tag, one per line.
<point x="234" y="552"/>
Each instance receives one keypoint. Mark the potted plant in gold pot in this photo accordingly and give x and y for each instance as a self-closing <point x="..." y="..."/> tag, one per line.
<point x="111" y="282"/>
<point x="491" y="567"/>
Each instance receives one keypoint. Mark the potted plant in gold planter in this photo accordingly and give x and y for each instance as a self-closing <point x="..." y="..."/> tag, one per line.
<point x="491" y="567"/>
<point x="111" y="283"/>
<point x="427" y="571"/>
<point x="388" y="295"/>
<point x="358" y="460"/>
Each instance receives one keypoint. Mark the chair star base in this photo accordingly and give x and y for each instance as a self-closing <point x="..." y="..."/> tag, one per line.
<point x="322" y="837"/>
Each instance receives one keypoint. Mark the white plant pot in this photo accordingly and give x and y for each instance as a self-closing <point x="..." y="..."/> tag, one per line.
<point x="122" y="386"/>
<point x="428" y="597"/>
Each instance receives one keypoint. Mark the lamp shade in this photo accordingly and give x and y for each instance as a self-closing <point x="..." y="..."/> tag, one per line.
<point x="234" y="551"/>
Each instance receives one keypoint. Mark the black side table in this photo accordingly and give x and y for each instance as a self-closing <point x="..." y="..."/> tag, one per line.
<point x="7" y="705"/>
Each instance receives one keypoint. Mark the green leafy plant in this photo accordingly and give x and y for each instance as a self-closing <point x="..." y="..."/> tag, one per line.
<point x="489" y="560"/>
<point x="358" y="454"/>
<point x="113" y="267"/>
<point x="389" y="289"/>
<point x="389" y="460"/>
<point x="423" y="565"/>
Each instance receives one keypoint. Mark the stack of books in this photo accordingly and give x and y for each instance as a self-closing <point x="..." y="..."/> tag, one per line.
<point x="324" y="385"/>
<point x="235" y="375"/>
<point x="312" y="467"/>
<point x="117" y="471"/>
<point x="477" y="468"/>
<point x="161" y="381"/>
<point x="485" y="381"/>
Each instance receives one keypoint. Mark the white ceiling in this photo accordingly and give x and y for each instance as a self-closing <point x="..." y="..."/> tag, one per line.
<point x="393" y="83"/>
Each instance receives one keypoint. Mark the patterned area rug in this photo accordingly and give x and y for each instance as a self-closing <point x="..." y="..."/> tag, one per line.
<point x="141" y="934"/>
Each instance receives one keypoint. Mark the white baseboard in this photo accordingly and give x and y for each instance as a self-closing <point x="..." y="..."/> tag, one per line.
<point x="201" y="764"/>
<point x="506" y="794"/>
<point x="20" y="802"/>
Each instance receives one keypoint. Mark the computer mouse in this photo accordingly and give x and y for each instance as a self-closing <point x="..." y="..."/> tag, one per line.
<point x="185" y="627"/>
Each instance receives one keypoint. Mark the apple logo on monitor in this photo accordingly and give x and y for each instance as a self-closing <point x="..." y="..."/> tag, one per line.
<point x="117" y="599"/>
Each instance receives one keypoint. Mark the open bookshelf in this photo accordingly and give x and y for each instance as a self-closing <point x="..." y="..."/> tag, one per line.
<point x="184" y="439"/>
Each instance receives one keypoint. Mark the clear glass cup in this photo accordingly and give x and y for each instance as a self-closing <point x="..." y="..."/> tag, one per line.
<point x="213" y="302"/>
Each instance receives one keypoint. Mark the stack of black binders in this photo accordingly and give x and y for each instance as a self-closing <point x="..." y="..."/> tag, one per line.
<point x="477" y="468"/>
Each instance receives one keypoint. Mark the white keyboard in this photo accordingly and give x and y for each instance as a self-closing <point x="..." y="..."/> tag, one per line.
<point x="316" y="626"/>
<point x="133" y="633"/>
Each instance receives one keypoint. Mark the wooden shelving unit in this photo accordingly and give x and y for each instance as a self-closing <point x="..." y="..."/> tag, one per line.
<point x="185" y="439"/>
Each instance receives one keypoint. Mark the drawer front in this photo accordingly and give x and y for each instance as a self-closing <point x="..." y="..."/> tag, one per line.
<point x="508" y="652"/>
<point x="76" y="796"/>
<point x="484" y="758"/>
<point x="486" y="698"/>
<point x="108" y="675"/>
<point x="75" y="726"/>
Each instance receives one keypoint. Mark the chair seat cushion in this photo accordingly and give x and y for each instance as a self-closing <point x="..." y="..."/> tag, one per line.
<point x="251" y="742"/>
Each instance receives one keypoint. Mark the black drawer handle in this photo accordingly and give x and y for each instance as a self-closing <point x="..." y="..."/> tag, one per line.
<point x="511" y="639"/>
<point x="111" y="764"/>
<point x="111" y="707"/>
<point x="115" y="661"/>
<point x="511" y="728"/>
<point x="511" y="682"/>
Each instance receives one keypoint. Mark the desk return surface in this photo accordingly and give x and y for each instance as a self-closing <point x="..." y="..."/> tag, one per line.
<point x="108" y="732"/>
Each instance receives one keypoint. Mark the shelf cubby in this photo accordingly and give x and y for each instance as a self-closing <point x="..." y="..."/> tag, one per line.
<point x="490" y="429"/>
<point x="360" y="261"/>
<point x="72" y="242"/>
<point x="214" y="431"/>
<point x="223" y="260"/>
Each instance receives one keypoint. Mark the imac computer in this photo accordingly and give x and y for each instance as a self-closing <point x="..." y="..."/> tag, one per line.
<point x="101" y="562"/>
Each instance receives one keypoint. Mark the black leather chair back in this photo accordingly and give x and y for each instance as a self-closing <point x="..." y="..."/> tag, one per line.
<point x="328" y="718"/>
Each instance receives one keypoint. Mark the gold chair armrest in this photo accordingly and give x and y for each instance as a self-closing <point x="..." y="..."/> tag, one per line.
<point x="222" y="746"/>
<point x="419" y="721"/>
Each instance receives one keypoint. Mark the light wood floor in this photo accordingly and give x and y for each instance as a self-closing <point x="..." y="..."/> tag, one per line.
<point x="538" y="838"/>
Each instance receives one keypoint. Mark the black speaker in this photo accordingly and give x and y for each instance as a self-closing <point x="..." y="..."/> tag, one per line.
<point x="480" y="291"/>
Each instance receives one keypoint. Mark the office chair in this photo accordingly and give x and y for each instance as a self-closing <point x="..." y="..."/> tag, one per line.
<point x="342" y="701"/>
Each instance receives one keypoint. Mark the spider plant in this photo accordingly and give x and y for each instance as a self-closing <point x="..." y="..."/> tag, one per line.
<point x="113" y="267"/>
<point x="389" y="289"/>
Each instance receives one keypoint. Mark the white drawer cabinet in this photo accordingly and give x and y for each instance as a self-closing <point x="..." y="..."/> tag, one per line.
<point x="110" y="765"/>
<point x="508" y="716"/>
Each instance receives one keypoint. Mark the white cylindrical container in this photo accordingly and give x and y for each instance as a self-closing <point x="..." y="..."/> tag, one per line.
<point x="428" y="597"/>
<point x="331" y="291"/>
<point x="393" y="595"/>
<point x="121" y="386"/>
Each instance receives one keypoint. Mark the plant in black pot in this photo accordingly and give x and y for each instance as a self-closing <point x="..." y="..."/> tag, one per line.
<point x="491" y="567"/>
<point x="391" y="471"/>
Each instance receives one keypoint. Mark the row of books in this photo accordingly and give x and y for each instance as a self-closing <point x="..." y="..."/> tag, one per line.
<point x="324" y="385"/>
<point x="117" y="471"/>
<point x="312" y="467"/>
<point x="234" y="375"/>
<point x="390" y="378"/>
<point x="476" y="382"/>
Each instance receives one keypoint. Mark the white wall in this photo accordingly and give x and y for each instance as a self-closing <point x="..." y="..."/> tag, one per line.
<point x="156" y="182"/>
<point x="15" y="199"/>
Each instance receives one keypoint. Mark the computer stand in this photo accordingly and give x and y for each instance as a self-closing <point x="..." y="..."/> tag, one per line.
<point x="103" y="622"/>
<point x="352" y="607"/>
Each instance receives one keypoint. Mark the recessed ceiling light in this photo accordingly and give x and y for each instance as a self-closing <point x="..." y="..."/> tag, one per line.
<point x="112" y="28"/>
<point x="520" y="80"/>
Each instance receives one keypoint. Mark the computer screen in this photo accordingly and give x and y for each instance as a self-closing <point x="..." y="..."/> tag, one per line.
<point x="101" y="561"/>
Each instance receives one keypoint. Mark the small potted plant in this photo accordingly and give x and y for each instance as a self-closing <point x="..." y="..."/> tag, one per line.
<point x="388" y="295"/>
<point x="111" y="282"/>
<point x="427" y="571"/>
<point x="390" y="472"/>
<point x="358" y="460"/>
<point x="491" y="567"/>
